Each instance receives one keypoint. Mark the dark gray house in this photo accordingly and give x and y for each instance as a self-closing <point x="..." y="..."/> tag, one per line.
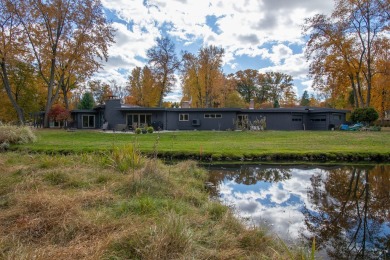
<point x="113" y="113"/>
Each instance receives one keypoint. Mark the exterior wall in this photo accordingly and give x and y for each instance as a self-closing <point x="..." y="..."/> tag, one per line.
<point x="280" y="121"/>
<point x="112" y="114"/>
<point x="213" y="118"/>
<point x="198" y="121"/>
<point x="78" y="120"/>
<point x="336" y="119"/>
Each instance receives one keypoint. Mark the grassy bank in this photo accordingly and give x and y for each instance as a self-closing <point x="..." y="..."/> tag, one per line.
<point x="206" y="145"/>
<point x="87" y="207"/>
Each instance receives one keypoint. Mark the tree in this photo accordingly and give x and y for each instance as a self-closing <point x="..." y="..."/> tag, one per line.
<point x="101" y="91"/>
<point x="345" y="44"/>
<point x="305" y="100"/>
<point x="203" y="80"/>
<point x="62" y="34"/>
<point x="235" y="100"/>
<point x="87" y="101"/>
<point x="12" y="46"/>
<point x="247" y="83"/>
<point x="275" y="87"/>
<point x="142" y="88"/>
<point x="366" y="115"/>
<point x="164" y="63"/>
<point x="59" y="114"/>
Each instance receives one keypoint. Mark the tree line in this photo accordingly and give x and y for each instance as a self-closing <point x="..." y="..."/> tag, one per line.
<point x="203" y="82"/>
<point x="50" y="49"/>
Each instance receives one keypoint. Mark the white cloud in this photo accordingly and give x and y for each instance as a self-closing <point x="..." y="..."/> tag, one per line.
<point x="294" y="65"/>
<point x="243" y="28"/>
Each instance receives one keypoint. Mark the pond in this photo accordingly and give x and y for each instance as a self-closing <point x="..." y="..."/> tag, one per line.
<point x="346" y="208"/>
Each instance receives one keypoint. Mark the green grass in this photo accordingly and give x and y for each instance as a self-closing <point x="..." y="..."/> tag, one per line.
<point x="229" y="144"/>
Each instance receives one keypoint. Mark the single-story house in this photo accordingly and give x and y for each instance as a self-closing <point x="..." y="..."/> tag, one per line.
<point x="113" y="114"/>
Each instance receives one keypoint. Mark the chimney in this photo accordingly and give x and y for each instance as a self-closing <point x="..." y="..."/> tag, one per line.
<point x="252" y="104"/>
<point x="185" y="104"/>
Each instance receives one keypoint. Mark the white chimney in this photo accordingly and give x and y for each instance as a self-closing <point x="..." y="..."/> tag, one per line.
<point x="185" y="104"/>
<point x="252" y="104"/>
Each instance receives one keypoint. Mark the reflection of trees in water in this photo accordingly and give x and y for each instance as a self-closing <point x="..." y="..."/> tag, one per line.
<point x="350" y="209"/>
<point x="247" y="174"/>
<point x="250" y="175"/>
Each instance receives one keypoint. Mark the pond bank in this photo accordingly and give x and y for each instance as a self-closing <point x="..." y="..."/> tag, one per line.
<point x="90" y="206"/>
<point x="278" y="157"/>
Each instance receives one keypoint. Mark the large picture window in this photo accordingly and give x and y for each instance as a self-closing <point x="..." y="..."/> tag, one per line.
<point x="139" y="120"/>
<point x="88" y="121"/>
<point x="184" y="117"/>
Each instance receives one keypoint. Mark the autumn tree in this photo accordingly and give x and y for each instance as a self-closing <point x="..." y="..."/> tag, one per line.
<point x="234" y="99"/>
<point x="101" y="91"/>
<point x="12" y="48"/>
<point x="247" y="83"/>
<point x="63" y="34"/>
<point x="202" y="76"/>
<point x="59" y="114"/>
<point x="142" y="88"/>
<point x="276" y="86"/>
<point x="347" y="42"/>
<point x="164" y="63"/>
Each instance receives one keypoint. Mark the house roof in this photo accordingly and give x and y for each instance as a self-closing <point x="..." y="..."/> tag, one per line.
<point x="216" y="110"/>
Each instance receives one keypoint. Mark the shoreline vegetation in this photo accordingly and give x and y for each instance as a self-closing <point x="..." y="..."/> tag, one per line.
<point x="121" y="206"/>
<point x="92" y="195"/>
<point x="215" y="146"/>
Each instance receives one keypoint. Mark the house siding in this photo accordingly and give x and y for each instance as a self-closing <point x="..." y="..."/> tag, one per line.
<point x="301" y="118"/>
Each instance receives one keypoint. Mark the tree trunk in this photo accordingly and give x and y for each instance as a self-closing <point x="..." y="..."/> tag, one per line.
<point x="7" y="86"/>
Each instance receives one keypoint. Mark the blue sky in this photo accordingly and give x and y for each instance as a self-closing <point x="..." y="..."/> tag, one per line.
<point x="256" y="34"/>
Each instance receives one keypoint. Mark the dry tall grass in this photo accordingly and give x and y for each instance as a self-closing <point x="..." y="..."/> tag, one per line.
<point x="76" y="207"/>
<point x="10" y="134"/>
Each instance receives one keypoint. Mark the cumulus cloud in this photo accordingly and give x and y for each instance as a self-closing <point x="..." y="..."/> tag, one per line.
<point x="241" y="27"/>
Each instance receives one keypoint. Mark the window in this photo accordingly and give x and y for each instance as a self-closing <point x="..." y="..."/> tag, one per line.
<point x="139" y="120"/>
<point x="212" y="116"/>
<point x="337" y="117"/>
<point x="183" y="117"/>
<point x="297" y="119"/>
<point x="88" y="121"/>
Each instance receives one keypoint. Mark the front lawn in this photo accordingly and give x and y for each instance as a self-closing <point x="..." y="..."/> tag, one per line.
<point x="214" y="144"/>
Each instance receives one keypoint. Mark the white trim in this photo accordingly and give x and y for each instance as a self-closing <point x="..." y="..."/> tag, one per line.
<point x="184" y="117"/>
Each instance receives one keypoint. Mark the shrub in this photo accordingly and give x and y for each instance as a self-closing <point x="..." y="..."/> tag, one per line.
<point x="150" y="129"/>
<point x="138" y="131"/>
<point x="15" y="135"/>
<point x="125" y="158"/>
<point x="367" y="115"/>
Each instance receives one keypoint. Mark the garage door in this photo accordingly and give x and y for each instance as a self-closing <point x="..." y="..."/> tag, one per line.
<point x="317" y="122"/>
<point x="296" y="123"/>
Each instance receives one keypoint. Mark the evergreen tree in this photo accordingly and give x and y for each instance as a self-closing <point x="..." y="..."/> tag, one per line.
<point x="87" y="101"/>
<point x="305" y="100"/>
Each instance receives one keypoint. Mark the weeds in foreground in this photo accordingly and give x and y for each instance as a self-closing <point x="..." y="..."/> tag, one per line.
<point x="10" y="134"/>
<point x="124" y="158"/>
<point x="151" y="214"/>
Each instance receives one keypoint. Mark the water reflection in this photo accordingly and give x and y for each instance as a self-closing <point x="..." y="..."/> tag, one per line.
<point x="345" y="207"/>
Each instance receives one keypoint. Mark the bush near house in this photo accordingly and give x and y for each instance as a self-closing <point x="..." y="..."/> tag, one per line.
<point x="364" y="115"/>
